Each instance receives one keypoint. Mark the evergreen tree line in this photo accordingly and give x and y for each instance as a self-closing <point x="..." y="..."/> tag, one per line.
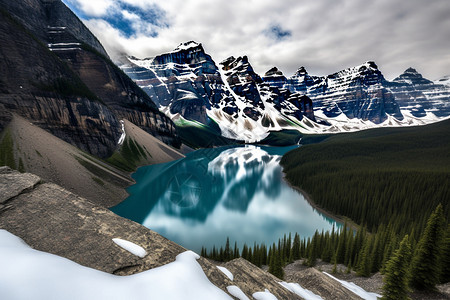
<point x="380" y="176"/>
<point x="404" y="260"/>
<point x="403" y="198"/>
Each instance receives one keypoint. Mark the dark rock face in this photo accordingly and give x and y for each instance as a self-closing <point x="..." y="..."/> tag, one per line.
<point x="37" y="15"/>
<point x="293" y="103"/>
<point x="186" y="80"/>
<point x="412" y="77"/>
<point x="362" y="92"/>
<point x="76" y="92"/>
<point x="243" y="80"/>
<point x="357" y="92"/>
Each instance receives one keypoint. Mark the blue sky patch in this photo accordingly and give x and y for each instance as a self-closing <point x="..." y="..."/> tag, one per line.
<point x="148" y="20"/>
<point x="278" y="33"/>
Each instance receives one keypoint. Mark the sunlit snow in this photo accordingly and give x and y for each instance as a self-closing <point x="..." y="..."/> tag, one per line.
<point x="131" y="247"/>
<point x="266" y="295"/>
<point x="226" y="272"/>
<point x="356" y="289"/>
<point x="237" y="292"/>
<point x="26" y="273"/>
<point x="297" y="289"/>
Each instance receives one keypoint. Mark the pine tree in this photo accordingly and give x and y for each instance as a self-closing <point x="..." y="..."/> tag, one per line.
<point x="349" y="267"/>
<point x="425" y="266"/>
<point x="269" y="256"/>
<point x="221" y="256"/>
<point x="376" y="254"/>
<point x="396" y="279"/>
<point x="244" y="252"/>
<point x="445" y="260"/>
<point x="277" y="269"/>
<point x="312" y="252"/>
<point x="272" y="254"/>
<point x="389" y="249"/>
<point x="365" y="263"/>
<point x="236" y="250"/>
<point x="214" y="253"/>
<point x="334" y="271"/>
<point x="340" y="254"/>
<point x="227" y="251"/>
<point x="264" y="254"/>
<point x="287" y="250"/>
<point x="328" y="250"/>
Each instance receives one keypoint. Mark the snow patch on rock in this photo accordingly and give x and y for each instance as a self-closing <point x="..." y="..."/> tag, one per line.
<point x="226" y="272"/>
<point x="30" y="274"/>
<point x="237" y="292"/>
<point x="130" y="247"/>
<point x="266" y="295"/>
<point x="297" y="289"/>
<point x="356" y="289"/>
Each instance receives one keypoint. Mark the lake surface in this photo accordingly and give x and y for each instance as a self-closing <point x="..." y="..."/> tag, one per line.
<point x="212" y="194"/>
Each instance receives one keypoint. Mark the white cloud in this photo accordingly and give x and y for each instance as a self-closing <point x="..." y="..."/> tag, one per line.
<point x="326" y="36"/>
<point x="93" y="8"/>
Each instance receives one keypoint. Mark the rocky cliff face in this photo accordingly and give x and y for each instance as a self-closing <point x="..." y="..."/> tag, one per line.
<point x="55" y="73"/>
<point x="38" y="15"/>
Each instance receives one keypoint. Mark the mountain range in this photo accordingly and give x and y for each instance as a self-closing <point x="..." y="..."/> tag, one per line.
<point x="190" y="88"/>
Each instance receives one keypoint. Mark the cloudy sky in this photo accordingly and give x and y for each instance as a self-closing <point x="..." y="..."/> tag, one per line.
<point x="325" y="36"/>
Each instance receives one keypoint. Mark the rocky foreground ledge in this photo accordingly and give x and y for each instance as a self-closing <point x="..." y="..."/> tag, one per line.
<point x="54" y="220"/>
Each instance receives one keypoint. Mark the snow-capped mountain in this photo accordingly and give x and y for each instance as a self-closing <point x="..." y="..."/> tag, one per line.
<point x="421" y="96"/>
<point x="189" y="86"/>
<point x="356" y="92"/>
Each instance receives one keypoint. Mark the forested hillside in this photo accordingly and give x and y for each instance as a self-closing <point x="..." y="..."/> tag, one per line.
<point x="394" y="176"/>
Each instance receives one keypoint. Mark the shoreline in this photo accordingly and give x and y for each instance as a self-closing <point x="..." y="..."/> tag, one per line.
<point x="308" y="198"/>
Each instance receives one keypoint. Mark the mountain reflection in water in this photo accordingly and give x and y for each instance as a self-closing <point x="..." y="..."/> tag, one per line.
<point x="217" y="193"/>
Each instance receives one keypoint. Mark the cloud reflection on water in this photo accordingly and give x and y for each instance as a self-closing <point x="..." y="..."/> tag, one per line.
<point x="214" y="193"/>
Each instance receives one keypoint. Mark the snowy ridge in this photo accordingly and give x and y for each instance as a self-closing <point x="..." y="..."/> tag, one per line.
<point x="33" y="279"/>
<point x="444" y="80"/>
<point x="342" y="123"/>
<point x="187" y="84"/>
<point x="186" y="46"/>
<point x="356" y="289"/>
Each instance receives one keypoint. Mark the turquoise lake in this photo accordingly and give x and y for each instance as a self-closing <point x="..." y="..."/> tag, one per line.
<point x="212" y="194"/>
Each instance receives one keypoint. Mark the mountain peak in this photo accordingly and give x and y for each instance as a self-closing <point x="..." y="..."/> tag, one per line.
<point x="411" y="76"/>
<point x="273" y="72"/>
<point x="187" y="45"/>
<point x="301" y="71"/>
<point x="371" y="65"/>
